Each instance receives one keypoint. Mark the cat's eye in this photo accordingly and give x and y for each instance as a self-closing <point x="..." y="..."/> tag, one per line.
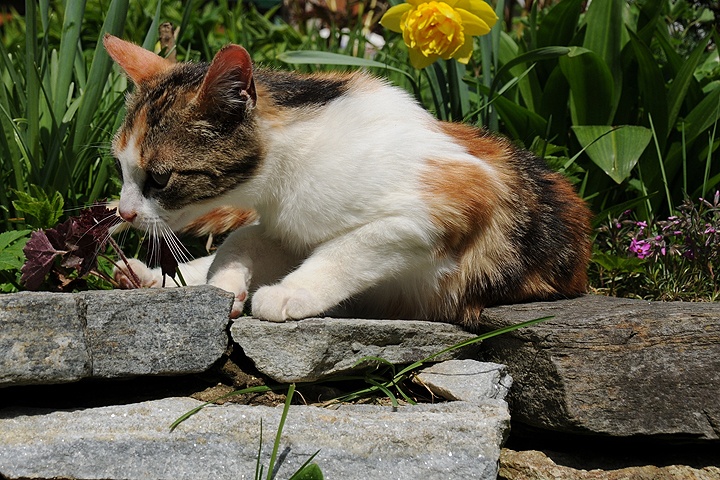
<point x="159" y="180"/>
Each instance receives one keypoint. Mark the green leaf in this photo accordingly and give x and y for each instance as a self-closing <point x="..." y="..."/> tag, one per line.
<point x="614" y="263"/>
<point x="74" y="12"/>
<point x="604" y="36"/>
<point x="614" y="150"/>
<point x="652" y="87"/>
<point x="560" y="23"/>
<point x="11" y="249"/>
<point x="308" y="472"/>
<point x="683" y="81"/>
<point x="591" y="87"/>
<point x="703" y="116"/>
<point x="44" y="211"/>
<point x="516" y="65"/>
<point x="312" y="57"/>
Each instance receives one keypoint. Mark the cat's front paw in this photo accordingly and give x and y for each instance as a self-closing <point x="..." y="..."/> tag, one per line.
<point x="278" y="303"/>
<point x="136" y="275"/>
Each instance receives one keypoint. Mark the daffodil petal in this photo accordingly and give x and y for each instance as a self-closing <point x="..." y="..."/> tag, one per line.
<point x="391" y="19"/>
<point x="464" y="53"/>
<point x="420" y="61"/>
<point x="472" y="24"/>
<point x="481" y="8"/>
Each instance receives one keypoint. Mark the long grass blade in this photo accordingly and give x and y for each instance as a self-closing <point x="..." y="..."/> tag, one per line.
<point x="283" y="417"/>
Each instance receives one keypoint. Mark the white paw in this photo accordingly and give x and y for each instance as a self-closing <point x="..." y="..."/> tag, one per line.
<point x="278" y="303"/>
<point x="145" y="276"/>
<point x="228" y="281"/>
<point x="238" y="304"/>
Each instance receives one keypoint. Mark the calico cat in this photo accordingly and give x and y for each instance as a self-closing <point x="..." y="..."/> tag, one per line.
<point x="366" y="204"/>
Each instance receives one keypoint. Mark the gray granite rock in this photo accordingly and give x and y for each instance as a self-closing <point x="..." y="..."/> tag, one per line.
<point x="306" y="350"/>
<point x="41" y="339"/>
<point x="57" y="338"/>
<point x="155" y="331"/>
<point x="451" y="440"/>
<point x="466" y="380"/>
<point x="612" y="366"/>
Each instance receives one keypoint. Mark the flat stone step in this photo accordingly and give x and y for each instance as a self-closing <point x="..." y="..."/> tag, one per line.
<point x="441" y="441"/>
<point x="57" y="338"/>
<point x="613" y="367"/>
<point x="314" y="348"/>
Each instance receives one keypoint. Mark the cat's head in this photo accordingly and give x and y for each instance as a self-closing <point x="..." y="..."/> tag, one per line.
<point x="189" y="137"/>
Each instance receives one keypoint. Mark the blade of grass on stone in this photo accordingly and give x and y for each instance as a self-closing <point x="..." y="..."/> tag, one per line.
<point x="308" y="471"/>
<point x="258" y="467"/>
<point x="190" y="413"/>
<point x="283" y="417"/>
<point x="471" y="341"/>
<point x="383" y="388"/>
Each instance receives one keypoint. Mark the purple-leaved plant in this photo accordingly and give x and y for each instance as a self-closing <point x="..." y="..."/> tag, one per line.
<point x="60" y="258"/>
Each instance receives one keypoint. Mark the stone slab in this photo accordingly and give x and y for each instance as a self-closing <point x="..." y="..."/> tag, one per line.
<point x="466" y="380"/>
<point x="310" y="349"/>
<point x="612" y="366"/>
<point x="441" y="441"/>
<point x="156" y="331"/>
<point x="535" y="465"/>
<point x="41" y="339"/>
<point x="50" y="338"/>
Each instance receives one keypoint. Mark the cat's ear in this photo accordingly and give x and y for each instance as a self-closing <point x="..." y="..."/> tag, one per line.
<point x="138" y="63"/>
<point x="229" y="81"/>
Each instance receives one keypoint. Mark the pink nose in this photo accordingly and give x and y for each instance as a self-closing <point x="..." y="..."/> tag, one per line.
<point x="128" y="216"/>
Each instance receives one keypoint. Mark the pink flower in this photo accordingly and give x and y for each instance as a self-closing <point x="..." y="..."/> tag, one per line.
<point x="641" y="248"/>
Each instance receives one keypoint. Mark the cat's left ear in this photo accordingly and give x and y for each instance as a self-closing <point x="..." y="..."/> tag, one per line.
<point x="139" y="64"/>
<point x="229" y="80"/>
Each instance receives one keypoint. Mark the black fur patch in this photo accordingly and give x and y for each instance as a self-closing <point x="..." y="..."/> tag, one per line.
<point x="292" y="91"/>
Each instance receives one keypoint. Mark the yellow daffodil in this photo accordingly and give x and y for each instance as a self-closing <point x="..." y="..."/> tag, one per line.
<point x="439" y="29"/>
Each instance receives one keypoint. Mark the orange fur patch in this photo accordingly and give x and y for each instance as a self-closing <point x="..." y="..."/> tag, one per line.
<point x="492" y="149"/>
<point x="462" y="198"/>
<point x="221" y="220"/>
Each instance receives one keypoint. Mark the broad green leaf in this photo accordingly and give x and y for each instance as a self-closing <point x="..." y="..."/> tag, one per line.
<point x="553" y="104"/>
<point x="560" y="23"/>
<point x="11" y="249"/>
<point x="615" y="150"/>
<point x="682" y="82"/>
<point x="520" y="122"/>
<point x="604" y="36"/>
<point x="652" y="87"/>
<point x="591" y="87"/>
<point x="516" y="66"/>
<point x="703" y="116"/>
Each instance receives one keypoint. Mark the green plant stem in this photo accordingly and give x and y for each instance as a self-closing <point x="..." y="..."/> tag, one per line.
<point x="283" y="417"/>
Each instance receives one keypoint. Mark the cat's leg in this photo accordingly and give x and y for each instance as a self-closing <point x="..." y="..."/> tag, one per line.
<point x="245" y="256"/>
<point x="193" y="272"/>
<point x="344" y="267"/>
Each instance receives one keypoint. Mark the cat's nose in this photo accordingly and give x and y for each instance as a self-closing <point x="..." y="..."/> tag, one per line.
<point x="128" y="216"/>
